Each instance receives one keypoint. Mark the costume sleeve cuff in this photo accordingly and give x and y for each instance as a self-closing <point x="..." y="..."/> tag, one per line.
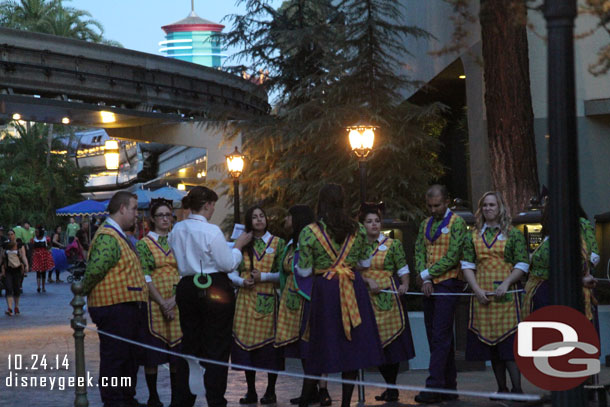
<point x="365" y="264"/>
<point x="147" y="278"/>
<point x="595" y="258"/>
<point x="236" y="279"/>
<point x="468" y="265"/>
<point x="425" y="275"/>
<point x="404" y="270"/>
<point x="304" y="272"/>
<point x="522" y="266"/>
<point x="270" y="277"/>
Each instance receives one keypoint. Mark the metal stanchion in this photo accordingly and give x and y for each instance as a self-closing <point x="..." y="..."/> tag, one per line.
<point x="360" y="387"/>
<point x="78" y="302"/>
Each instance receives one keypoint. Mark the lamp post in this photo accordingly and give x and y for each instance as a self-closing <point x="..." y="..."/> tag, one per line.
<point x="563" y="170"/>
<point x="111" y="154"/>
<point x="361" y="139"/>
<point x="235" y="165"/>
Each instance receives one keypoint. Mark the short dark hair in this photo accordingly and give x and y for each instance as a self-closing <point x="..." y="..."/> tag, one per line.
<point x="197" y="197"/>
<point x="436" y="190"/>
<point x="118" y="199"/>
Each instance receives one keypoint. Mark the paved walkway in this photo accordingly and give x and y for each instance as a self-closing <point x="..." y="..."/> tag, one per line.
<point x="43" y="329"/>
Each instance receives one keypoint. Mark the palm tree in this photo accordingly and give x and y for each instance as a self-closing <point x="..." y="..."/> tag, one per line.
<point x="51" y="17"/>
<point x="73" y="23"/>
<point x="30" y="15"/>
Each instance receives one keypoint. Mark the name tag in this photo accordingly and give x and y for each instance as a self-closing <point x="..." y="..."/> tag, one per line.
<point x="445" y="230"/>
<point x="383" y="248"/>
<point x="501" y="237"/>
<point x="269" y="250"/>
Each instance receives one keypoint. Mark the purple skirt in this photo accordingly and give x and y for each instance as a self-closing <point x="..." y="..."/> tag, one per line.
<point x="329" y="349"/>
<point x="401" y="348"/>
<point x="298" y="349"/>
<point x="153" y="358"/>
<point x="266" y="357"/>
<point x="478" y="350"/>
<point x="542" y="296"/>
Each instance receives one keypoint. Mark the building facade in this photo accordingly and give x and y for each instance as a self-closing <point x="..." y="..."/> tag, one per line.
<point x="462" y="75"/>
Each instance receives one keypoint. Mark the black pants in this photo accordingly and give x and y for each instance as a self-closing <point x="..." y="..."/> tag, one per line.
<point x="119" y="359"/>
<point x="206" y="319"/>
<point x="13" y="282"/>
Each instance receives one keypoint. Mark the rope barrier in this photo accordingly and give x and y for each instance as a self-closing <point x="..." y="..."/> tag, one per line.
<point x="189" y="358"/>
<point x="450" y="294"/>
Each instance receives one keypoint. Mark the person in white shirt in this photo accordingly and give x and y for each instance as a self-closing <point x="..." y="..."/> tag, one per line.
<point x="205" y="296"/>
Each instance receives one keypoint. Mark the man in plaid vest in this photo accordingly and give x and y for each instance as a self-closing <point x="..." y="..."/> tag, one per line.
<point x="116" y="297"/>
<point x="438" y="251"/>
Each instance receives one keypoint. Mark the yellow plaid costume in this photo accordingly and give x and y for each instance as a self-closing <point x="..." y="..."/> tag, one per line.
<point x="494" y="322"/>
<point x="125" y="281"/>
<point x="350" y="315"/>
<point x="539" y="272"/>
<point x="290" y="314"/>
<point x="165" y="276"/>
<point x="255" y="309"/>
<point x="437" y="249"/>
<point x="386" y="306"/>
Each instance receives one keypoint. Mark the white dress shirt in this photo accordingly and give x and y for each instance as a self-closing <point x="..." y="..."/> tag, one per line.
<point x="200" y="247"/>
<point x="265" y="277"/>
<point x="119" y="229"/>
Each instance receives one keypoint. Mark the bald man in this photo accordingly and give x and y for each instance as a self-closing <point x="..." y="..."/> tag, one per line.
<point x="438" y="251"/>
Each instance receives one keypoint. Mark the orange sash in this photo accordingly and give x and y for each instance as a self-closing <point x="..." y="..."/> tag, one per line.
<point x="350" y="315"/>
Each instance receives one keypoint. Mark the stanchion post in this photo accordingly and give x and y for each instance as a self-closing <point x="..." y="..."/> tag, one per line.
<point x="77" y="322"/>
<point x="361" y="399"/>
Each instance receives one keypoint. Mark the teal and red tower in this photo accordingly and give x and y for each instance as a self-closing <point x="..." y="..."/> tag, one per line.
<point x="193" y="39"/>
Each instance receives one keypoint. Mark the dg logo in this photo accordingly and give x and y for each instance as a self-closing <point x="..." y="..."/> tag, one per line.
<point x="557" y="348"/>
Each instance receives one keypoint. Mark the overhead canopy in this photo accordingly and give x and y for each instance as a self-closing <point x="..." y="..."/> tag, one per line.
<point x="87" y="207"/>
<point x="171" y="194"/>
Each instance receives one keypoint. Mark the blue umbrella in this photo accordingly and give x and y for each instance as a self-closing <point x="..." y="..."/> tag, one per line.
<point x="87" y="207"/>
<point x="169" y="193"/>
<point x="144" y="197"/>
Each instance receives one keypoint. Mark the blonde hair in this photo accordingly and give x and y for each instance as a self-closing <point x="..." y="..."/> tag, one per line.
<point x="504" y="218"/>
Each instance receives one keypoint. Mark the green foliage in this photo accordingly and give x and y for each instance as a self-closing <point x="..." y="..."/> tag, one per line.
<point x="330" y="65"/>
<point x="51" y="17"/>
<point x="29" y="189"/>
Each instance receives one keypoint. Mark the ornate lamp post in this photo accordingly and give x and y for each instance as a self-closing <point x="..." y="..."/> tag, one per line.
<point x="235" y="165"/>
<point x="111" y="154"/>
<point x="361" y="139"/>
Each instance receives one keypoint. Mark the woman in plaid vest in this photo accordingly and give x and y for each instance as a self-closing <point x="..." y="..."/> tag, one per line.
<point x="343" y="335"/>
<point x="162" y="276"/>
<point x="295" y="299"/>
<point x="495" y="258"/>
<point x="388" y="265"/>
<point x="537" y="289"/>
<point x="255" y="318"/>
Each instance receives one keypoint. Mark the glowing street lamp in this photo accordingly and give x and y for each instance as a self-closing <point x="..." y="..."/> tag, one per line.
<point x="361" y="139"/>
<point x="235" y="165"/>
<point x="111" y="154"/>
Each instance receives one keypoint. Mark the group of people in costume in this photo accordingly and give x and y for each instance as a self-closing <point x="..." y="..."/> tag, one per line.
<point x="331" y="296"/>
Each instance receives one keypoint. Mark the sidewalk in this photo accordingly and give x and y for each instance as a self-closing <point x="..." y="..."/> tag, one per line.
<point x="43" y="328"/>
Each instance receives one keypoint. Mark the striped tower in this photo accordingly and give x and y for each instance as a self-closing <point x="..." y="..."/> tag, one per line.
<point x="193" y="39"/>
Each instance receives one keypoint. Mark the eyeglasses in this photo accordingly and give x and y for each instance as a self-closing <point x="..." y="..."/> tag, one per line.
<point x="163" y="215"/>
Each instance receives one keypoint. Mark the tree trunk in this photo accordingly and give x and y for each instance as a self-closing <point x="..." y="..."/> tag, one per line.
<point x="49" y="144"/>
<point x="510" y="118"/>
